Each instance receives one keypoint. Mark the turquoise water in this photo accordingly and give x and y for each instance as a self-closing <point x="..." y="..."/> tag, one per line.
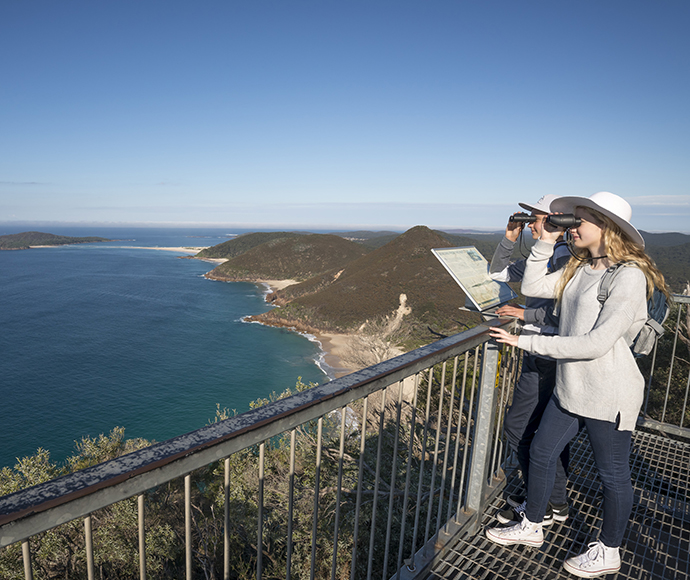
<point x="95" y="336"/>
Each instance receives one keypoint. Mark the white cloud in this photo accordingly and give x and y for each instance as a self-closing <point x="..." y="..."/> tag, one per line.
<point x="665" y="200"/>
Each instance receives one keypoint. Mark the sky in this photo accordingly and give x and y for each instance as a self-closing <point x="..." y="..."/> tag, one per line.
<point x="342" y="114"/>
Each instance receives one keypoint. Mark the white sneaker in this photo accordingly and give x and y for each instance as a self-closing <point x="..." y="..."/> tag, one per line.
<point x="596" y="561"/>
<point x="524" y="532"/>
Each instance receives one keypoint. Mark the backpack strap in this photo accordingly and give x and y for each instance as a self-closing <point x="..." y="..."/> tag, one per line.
<point x="551" y="265"/>
<point x="657" y="311"/>
<point x="658" y="328"/>
<point x="606" y="280"/>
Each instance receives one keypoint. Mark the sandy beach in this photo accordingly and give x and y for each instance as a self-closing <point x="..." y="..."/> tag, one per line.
<point x="277" y="284"/>
<point x="191" y="250"/>
<point x="180" y="249"/>
<point x="335" y="347"/>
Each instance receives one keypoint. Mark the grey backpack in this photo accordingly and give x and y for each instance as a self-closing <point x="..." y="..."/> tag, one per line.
<point x="657" y="312"/>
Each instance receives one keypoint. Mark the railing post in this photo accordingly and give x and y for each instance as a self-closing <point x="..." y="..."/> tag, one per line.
<point x="88" y="538"/>
<point x="483" y="430"/>
<point x="26" y="555"/>
<point x="142" y="537"/>
<point x="226" y="521"/>
<point x="188" y="525"/>
<point x="260" y="518"/>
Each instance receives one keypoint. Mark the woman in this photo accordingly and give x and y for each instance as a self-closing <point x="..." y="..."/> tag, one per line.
<point x="598" y="384"/>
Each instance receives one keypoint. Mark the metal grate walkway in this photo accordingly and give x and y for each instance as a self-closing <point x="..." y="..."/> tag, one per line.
<point x="657" y="542"/>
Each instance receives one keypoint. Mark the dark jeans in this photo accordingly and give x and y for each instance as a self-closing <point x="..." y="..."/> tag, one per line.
<point x="611" y="450"/>
<point x="530" y="397"/>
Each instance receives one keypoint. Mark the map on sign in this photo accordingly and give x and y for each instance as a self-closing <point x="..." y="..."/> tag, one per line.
<point x="471" y="271"/>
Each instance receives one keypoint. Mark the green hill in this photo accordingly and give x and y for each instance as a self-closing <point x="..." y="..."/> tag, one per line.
<point x="674" y="263"/>
<point x="26" y="240"/>
<point x="654" y="240"/>
<point x="371" y="240"/>
<point x="288" y="257"/>
<point x="244" y="243"/>
<point x="671" y="252"/>
<point x="370" y="287"/>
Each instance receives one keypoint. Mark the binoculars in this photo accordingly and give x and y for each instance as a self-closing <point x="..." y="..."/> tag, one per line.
<point x="559" y="220"/>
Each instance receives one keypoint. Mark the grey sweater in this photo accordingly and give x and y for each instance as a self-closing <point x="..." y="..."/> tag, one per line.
<point x="597" y="376"/>
<point x="539" y="311"/>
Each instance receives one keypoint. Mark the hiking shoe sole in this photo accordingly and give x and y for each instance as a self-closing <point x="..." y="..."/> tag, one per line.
<point x="508" y="537"/>
<point x="559" y="512"/>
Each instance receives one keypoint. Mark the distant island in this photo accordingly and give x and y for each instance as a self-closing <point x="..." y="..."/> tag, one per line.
<point x="27" y="240"/>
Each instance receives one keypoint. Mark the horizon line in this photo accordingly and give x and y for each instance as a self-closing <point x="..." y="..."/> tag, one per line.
<point x="273" y="227"/>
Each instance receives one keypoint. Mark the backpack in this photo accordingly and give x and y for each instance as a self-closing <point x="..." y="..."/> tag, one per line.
<point x="657" y="312"/>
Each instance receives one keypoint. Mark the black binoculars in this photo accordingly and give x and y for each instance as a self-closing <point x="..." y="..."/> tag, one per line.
<point x="522" y="218"/>
<point x="560" y="220"/>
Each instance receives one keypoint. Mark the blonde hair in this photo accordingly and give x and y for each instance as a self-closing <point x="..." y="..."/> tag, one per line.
<point x="619" y="248"/>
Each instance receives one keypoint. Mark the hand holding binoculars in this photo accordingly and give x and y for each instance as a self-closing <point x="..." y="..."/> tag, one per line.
<point x="559" y="220"/>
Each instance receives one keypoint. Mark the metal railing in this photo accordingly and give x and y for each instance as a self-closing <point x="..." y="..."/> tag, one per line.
<point x="369" y="475"/>
<point x="667" y="369"/>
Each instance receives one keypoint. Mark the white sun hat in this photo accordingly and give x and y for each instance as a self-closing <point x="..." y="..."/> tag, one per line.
<point x="611" y="205"/>
<point x="542" y="205"/>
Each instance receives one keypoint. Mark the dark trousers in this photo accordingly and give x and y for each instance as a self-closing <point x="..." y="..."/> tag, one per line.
<point x="530" y="397"/>
<point x="611" y="449"/>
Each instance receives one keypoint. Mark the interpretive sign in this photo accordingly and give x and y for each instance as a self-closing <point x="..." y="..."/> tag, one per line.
<point x="471" y="271"/>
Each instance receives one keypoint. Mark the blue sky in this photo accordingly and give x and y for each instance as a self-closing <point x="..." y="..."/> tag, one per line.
<point x="340" y="114"/>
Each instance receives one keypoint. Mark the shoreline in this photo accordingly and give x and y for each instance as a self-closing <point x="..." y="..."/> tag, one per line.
<point x="332" y="345"/>
<point x="191" y="250"/>
<point x="184" y="249"/>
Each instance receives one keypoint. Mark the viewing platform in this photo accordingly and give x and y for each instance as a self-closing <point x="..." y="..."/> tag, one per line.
<point x="656" y="544"/>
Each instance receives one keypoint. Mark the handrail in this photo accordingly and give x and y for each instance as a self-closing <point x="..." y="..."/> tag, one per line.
<point x="675" y="385"/>
<point x="78" y="494"/>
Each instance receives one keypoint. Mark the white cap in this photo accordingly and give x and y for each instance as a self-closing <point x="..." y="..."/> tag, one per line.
<point x="543" y="205"/>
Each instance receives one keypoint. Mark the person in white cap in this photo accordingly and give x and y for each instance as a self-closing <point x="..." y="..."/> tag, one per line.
<point x="598" y="383"/>
<point x="533" y="389"/>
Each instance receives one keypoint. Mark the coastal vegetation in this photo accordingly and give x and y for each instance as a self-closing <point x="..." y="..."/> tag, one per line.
<point x="284" y="257"/>
<point x="244" y="243"/>
<point x="353" y="282"/>
<point x="674" y="263"/>
<point x="370" y="288"/>
<point x="60" y="552"/>
<point x="26" y="240"/>
<point x="341" y="284"/>
<point x="371" y="240"/>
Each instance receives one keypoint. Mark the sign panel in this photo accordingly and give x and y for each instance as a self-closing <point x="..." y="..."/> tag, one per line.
<point x="471" y="271"/>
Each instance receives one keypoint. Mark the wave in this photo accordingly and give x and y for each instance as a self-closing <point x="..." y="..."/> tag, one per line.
<point x="319" y="358"/>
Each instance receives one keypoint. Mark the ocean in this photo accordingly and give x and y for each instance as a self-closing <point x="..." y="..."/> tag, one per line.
<point x="94" y="336"/>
